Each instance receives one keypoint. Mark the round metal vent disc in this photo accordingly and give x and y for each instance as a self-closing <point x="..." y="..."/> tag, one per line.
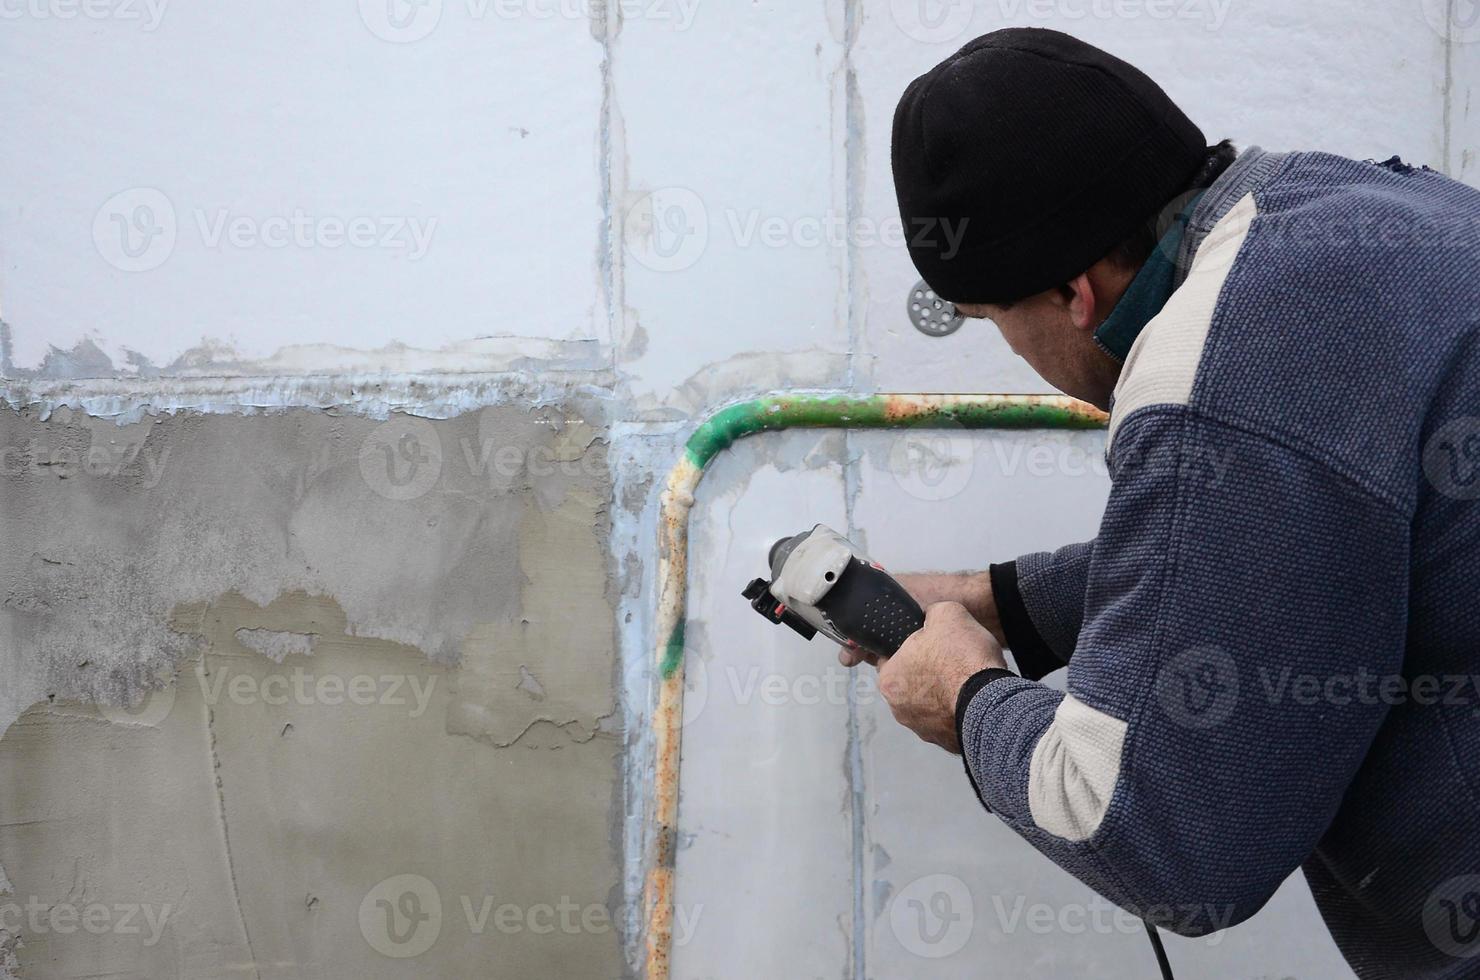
<point x="931" y="315"/>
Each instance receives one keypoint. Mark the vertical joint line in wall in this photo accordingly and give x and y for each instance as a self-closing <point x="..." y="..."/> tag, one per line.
<point x="7" y="369"/>
<point x="853" y="170"/>
<point x="852" y="482"/>
<point x="1449" y="166"/>
<point x="609" y="256"/>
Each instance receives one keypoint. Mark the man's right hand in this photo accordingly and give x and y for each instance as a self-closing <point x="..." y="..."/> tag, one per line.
<point x="971" y="589"/>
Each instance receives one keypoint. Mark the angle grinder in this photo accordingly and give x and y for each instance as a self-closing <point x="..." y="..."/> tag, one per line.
<point x="821" y="583"/>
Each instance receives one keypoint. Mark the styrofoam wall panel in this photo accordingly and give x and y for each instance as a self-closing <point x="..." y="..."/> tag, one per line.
<point x="258" y="175"/>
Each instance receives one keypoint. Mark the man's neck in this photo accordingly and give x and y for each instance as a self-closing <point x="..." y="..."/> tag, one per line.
<point x="1148" y="291"/>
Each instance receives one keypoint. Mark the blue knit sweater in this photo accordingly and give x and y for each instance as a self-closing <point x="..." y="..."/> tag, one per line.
<point x="1275" y="638"/>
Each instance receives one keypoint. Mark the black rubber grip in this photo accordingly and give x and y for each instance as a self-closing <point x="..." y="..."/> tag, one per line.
<point x="870" y="608"/>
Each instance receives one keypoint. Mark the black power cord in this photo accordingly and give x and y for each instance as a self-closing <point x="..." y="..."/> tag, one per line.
<point x="1161" y="951"/>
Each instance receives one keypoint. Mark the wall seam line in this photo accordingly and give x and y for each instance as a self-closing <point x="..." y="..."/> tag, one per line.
<point x="853" y="176"/>
<point x="608" y="257"/>
<point x="857" y="781"/>
<point x="1449" y="165"/>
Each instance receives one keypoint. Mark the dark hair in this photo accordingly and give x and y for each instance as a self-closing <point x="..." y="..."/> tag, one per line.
<point x="1132" y="252"/>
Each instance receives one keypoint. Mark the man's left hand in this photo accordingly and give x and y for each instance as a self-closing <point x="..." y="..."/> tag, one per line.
<point x="922" y="680"/>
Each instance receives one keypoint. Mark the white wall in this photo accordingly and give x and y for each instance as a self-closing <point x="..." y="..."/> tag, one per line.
<point x="669" y="185"/>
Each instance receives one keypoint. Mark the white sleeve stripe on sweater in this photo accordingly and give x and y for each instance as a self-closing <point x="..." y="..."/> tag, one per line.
<point x="1162" y="363"/>
<point x="1074" y="769"/>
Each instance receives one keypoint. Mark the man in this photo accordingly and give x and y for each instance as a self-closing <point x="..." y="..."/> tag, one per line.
<point x="1269" y="643"/>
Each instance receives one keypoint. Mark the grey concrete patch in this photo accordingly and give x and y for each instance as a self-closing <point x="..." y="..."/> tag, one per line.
<point x="309" y="818"/>
<point x="206" y="616"/>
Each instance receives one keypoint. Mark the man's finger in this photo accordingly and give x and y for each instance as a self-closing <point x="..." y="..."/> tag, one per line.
<point x="852" y="657"/>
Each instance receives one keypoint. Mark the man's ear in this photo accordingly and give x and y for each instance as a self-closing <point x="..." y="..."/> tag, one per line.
<point x="1080" y="300"/>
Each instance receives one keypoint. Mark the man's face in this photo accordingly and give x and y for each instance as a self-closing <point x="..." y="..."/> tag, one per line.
<point x="1031" y="328"/>
<point x="1054" y="331"/>
<point x="1041" y="332"/>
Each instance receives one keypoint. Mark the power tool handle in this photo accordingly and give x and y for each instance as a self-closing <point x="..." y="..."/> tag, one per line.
<point x="872" y="610"/>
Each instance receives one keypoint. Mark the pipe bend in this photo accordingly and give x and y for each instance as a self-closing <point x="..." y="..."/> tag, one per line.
<point x="713" y="436"/>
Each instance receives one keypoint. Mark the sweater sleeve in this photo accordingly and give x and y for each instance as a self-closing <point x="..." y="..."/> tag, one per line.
<point x="1040" y="601"/>
<point x="1238" y="595"/>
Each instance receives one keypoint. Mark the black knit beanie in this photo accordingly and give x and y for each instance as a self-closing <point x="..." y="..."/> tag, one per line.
<point x="1025" y="157"/>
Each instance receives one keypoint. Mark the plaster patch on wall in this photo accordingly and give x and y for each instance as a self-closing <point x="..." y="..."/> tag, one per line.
<point x="259" y="819"/>
<point x="84" y="360"/>
<point x="642" y="455"/>
<point x="482" y="355"/>
<point x="217" y="358"/>
<point x="374" y="396"/>
<point x="110" y="527"/>
<point x="747" y="375"/>
<point x="439" y="383"/>
<point x="378" y="395"/>
<point x="276" y="645"/>
<point x="561" y="562"/>
<point x="530" y="684"/>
